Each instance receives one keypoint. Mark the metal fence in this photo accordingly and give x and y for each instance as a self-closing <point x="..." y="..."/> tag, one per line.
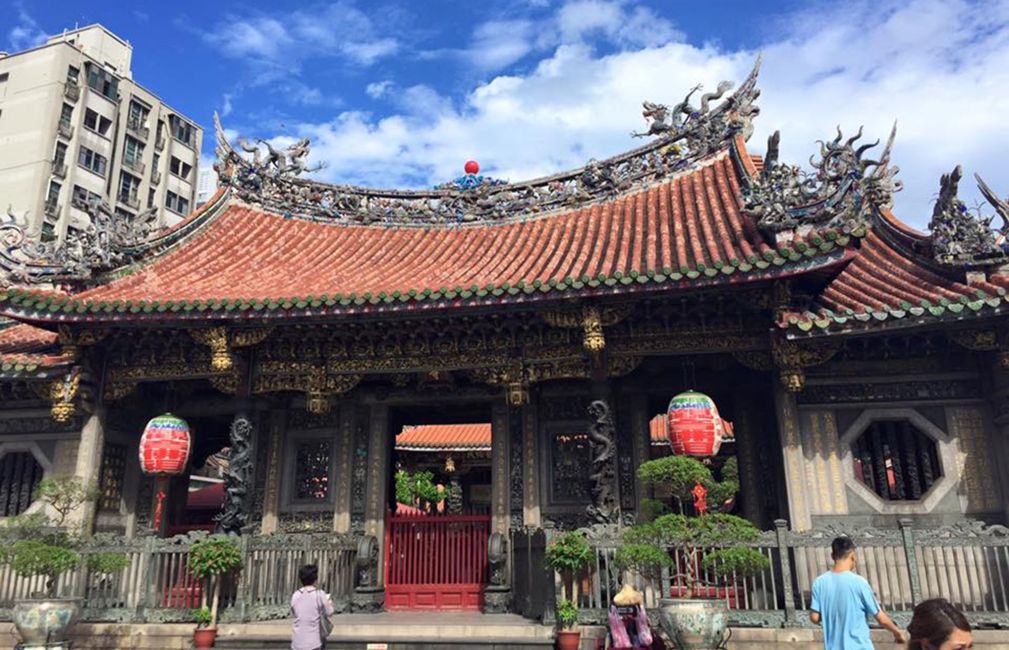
<point x="156" y="585"/>
<point x="967" y="563"/>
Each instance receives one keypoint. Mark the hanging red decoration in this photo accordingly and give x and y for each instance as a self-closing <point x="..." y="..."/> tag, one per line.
<point x="695" y="428"/>
<point x="472" y="167"/>
<point x="164" y="452"/>
<point x="700" y="499"/>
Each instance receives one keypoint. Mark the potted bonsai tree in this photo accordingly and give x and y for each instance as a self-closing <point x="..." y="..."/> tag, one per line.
<point x="567" y="616"/>
<point x="210" y="559"/>
<point x="44" y="546"/>
<point x="704" y="552"/>
<point x="568" y="555"/>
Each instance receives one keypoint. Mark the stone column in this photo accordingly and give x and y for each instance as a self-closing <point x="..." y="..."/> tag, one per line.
<point x="641" y="442"/>
<point x="369" y="593"/>
<point x="499" y="468"/>
<point x="344" y="469"/>
<point x="748" y="457"/>
<point x="238" y="478"/>
<point x="89" y="463"/>
<point x="791" y="447"/>
<point x="531" y="465"/>
<point x="274" y="458"/>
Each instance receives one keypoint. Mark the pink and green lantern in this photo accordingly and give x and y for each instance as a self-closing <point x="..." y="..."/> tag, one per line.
<point x="164" y="452"/>
<point x="695" y="427"/>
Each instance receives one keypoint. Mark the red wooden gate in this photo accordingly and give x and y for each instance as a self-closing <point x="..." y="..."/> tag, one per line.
<point x="435" y="561"/>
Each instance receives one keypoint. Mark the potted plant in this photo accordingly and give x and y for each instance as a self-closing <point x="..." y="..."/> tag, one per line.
<point x="210" y="559"/>
<point x="567" y="616"/>
<point x="568" y="554"/>
<point x="704" y="552"/>
<point x="45" y="545"/>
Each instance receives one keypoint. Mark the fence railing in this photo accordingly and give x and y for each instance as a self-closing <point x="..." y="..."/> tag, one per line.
<point x="966" y="563"/>
<point x="157" y="586"/>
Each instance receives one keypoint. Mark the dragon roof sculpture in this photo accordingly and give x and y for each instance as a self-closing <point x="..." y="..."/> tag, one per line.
<point x="964" y="237"/>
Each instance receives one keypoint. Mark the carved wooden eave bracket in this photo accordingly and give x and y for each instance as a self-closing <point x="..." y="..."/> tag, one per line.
<point x="591" y="319"/>
<point x="313" y="380"/>
<point x="62" y="395"/>
<point x="222" y="342"/>
<point x="518" y="376"/>
<point x="792" y="359"/>
<point x="72" y="340"/>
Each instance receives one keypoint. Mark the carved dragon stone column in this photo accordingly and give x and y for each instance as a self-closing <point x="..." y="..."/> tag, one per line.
<point x="238" y="476"/>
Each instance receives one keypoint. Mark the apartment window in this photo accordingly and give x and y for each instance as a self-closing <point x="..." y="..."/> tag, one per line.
<point x="73" y="74"/>
<point x="125" y="214"/>
<point x="61" y="154"/>
<point x="103" y="82"/>
<point x="896" y="460"/>
<point x="66" y="115"/>
<point x="53" y="195"/>
<point x="3" y="82"/>
<point x="20" y="473"/>
<point x="176" y="203"/>
<point x="182" y="130"/>
<point x="92" y="160"/>
<point x="133" y="151"/>
<point x="82" y="198"/>
<point x="137" y="114"/>
<point x="97" y="123"/>
<point x="180" y="169"/>
<point x="128" y="186"/>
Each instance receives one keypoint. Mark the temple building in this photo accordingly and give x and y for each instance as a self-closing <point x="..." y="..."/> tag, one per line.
<point x="329" y="334"/>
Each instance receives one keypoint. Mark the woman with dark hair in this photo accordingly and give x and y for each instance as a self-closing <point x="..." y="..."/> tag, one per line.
<point x="937" y="625"/>
<point x="311" y="608"/>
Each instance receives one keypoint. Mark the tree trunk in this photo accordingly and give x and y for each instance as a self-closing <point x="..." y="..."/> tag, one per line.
<point x="216" y="580"/>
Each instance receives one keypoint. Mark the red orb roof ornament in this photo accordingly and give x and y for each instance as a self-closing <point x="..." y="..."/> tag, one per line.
<point x="165" y="445"/>
<point x="472" y="167"/>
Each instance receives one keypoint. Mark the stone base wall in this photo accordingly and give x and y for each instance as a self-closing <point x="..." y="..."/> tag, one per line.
<point x="113" y="636"/>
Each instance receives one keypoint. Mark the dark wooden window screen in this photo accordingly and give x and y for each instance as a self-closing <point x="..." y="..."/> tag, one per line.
<point x="113" y="474"/>
<point x="311" y="471"/>
<point x="19" y="474"/>
<point x="896" y="460"/>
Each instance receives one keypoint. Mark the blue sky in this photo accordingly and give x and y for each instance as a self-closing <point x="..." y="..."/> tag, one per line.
<point x="401" y="93"/>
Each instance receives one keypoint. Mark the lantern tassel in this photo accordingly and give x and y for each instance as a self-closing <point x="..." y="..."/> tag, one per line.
<point x="158" y="507"/>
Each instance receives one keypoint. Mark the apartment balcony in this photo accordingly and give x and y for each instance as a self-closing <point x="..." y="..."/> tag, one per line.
<point x="160" y="144"/>
<point x="52" y="209"/>
<point x="80" y="203"/>
<point x="65" y="130"/>
<point x="137" y="128"/>
<point x="130" y="200"/>
<point x="134" y="165"/>
<point x="71" y="91"/>
<point x="59" y="169"/>
<point x="155" y="177"/>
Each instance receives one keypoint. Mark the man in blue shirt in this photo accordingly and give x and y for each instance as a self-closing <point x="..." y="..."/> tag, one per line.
<point x="842" y="600"/>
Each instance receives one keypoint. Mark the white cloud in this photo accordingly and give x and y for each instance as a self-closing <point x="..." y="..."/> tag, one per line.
<point x="26" y="33"/>
<point x="940" y="68"/>
<point x="497" y="44"/>
<point x="614" y="20"/>
<point x="378" y="89"/>
<point x="226" y="107"/>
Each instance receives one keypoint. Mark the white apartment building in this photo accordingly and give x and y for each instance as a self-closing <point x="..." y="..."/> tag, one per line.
<point x="75" y="127"/>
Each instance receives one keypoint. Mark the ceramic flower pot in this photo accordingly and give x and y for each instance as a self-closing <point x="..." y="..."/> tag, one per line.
<point x="695" y="624"/>
<point x="204" y="637"/>
<point x="568" y="639"/>
<point x="45" y="621"/>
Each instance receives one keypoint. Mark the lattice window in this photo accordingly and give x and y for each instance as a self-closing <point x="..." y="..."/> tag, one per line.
<point x="572" y="463"/>
<point x="311" y="471"/>
<point x="896" y="460"/>
<point x="113" y="473"/>
<point x="19" y="474"/>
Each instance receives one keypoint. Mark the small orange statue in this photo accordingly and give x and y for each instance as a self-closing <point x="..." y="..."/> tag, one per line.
<point x="700" y="499"/>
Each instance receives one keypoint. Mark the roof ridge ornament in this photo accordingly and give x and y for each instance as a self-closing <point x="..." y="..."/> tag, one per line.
<point x="273" y="180"/>
<point x="964" y="237"/>
<point x="841" y="192"/>
<point x="109" y="241"/>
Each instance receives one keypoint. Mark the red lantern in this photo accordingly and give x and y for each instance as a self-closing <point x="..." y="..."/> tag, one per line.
<point x="472" y="167"/>
<point x="695" y="428"/>
<point x="164" y="452"/>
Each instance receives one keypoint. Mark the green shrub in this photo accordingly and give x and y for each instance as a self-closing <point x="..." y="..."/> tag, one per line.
<point x="107" y="562"/>
<point x="736" y="562"/>
<point x="569" y="552"/>
<point x="645" y="559"/>
<point x="678" y="474"/>
<point x="567" y="614"/>
<point x="414" y="487"/>
<point x="202" y="617"/>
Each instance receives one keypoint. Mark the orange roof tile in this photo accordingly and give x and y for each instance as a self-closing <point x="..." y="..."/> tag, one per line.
<point x="245" y="263"/>
<point x="27" y="350"/>
<point x="446" y="437"/>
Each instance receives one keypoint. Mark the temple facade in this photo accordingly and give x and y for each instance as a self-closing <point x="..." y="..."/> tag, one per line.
<point x="303" y="326"/>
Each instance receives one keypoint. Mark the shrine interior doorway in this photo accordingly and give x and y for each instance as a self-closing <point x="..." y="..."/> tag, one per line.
<point x="438" y="521"/>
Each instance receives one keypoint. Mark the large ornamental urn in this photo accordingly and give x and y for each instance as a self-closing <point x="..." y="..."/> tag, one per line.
<point x="695" y="624"/>
<point x="164" y="452"/>
<point x="45" y="623"/>
<point x="695" y="427"/>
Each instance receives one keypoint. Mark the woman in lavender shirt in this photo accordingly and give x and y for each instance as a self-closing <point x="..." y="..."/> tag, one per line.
<point x="307" y="605"/>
